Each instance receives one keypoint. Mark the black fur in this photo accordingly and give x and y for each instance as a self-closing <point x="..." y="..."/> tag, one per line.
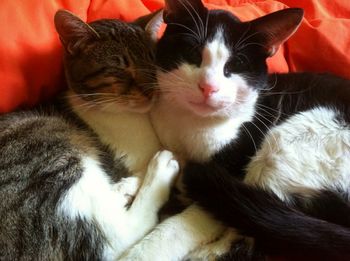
<point x="277" y="227"/>
<point x="332" y="206"/>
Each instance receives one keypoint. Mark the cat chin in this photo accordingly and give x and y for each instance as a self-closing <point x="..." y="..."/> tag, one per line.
<point x="224" y="107"/>
<point x="205" y="109"/>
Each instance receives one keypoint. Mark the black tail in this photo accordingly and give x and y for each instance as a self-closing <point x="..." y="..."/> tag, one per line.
<point x="278" y="228"/>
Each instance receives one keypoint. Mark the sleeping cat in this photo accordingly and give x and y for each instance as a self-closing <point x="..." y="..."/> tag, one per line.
<point x="66" y="176"/>
<point x="219" y="109"/>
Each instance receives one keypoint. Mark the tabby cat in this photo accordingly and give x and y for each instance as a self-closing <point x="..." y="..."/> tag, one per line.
<point x="66" y="176"/>
<point x="287" y="135"/>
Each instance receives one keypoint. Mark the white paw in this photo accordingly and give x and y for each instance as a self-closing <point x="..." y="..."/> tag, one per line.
<point x="214" y="250"/>
<point x="162" y="169"/>
<point x="127" y="188"/>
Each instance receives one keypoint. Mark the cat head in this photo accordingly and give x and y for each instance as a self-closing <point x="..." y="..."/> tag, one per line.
<point x="109" y="63"/>
<point x="212" y="63"/>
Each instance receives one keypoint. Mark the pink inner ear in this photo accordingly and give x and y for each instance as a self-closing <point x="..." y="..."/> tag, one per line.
<point x="278" y="27"/>
<point x="276" y="41"/>
<point x="278" y="37"/>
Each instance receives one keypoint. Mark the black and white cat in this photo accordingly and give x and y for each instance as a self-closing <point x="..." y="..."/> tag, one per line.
<point x="66" y="175"/>
<point x="286" y="134"/>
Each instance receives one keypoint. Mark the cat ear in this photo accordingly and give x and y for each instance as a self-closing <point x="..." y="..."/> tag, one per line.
<point x="277" y="27"/>
<point x="72" y="30"/>
<point x="175" y="9"/>
<point x="151" y="23"/>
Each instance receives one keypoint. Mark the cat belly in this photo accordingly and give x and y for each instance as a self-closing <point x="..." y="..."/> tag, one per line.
<point x="311" y="150"/>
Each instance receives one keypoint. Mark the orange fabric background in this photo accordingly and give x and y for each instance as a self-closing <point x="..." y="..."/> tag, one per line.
<point x="30" y="52"/>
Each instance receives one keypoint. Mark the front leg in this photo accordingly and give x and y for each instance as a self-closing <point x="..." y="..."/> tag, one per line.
<point x="176" y="237"/>
<point x="154" y="192"/>
<point x="231" y="246"/>
<point x="214" y="250"/>
<point x="126" y="189"/>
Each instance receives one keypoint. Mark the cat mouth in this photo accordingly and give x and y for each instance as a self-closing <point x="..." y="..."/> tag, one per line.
<point x="206" y="106"/>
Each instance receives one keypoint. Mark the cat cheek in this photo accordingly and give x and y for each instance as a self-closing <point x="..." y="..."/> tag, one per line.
<point x="230" y="93"/>
<point x="244" y="93"/>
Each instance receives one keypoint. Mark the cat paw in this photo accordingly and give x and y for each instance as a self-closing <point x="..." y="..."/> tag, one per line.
<point x="214" y="250"/>
<point x="127" y="187"/>
<point x="162" y="169"/>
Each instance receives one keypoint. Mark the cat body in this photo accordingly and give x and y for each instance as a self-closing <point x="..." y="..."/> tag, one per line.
<point x="301" y="159"/>
<point x="67" y="175"/>
<point x="219" y="110"/>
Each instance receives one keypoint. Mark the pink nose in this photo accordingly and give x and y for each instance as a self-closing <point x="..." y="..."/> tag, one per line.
<point x="208" y="89"/>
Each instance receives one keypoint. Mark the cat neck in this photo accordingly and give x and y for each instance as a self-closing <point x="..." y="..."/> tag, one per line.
<point x="129" y="135"/>
<point x="190" y="136"/>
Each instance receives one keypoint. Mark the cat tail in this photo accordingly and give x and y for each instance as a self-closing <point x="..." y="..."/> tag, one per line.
<point x="278" y="229"/>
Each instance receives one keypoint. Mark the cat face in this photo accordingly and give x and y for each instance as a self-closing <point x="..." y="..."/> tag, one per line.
<point x="109" y="63"/>
<point x="213" y="64"/>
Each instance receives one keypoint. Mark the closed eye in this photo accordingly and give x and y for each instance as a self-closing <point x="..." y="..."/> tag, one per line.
<point x="195" y="55"/>
<point x="119" y="61"/>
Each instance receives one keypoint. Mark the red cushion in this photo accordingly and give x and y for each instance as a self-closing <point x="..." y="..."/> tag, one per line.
<point x="30" y="64"/>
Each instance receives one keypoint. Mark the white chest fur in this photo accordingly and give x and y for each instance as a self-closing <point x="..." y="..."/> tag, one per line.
<point x="189" y="135"/>
<point x="128" y="134"/>
<point x="309" y="151"/>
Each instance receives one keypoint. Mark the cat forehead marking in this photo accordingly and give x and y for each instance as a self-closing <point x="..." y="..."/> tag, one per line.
<point x="215" y="52"/>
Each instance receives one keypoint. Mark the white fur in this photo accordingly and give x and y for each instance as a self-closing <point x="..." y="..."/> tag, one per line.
<point x="214" y="250"/>
<point x="176" y="237"/>
<point x="129" y="134"/>
<point x="191" y="125"/>
<point x="311" y="150"/>
<point x="95" y="199"/>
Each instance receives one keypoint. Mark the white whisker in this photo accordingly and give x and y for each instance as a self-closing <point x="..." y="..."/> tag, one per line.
<point x="263" y="133"/>
<point x="250" y="135"/>
<point x="202" y="33"/>
<point x="189" y="29"/>
<point x="267" y="127"/>
<point x="193" y="18"/>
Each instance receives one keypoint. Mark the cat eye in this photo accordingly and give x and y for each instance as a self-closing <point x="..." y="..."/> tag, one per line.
<point x="227" y="71"/>
<point x="234" y="65"/>
<point x="195" y="55"/>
